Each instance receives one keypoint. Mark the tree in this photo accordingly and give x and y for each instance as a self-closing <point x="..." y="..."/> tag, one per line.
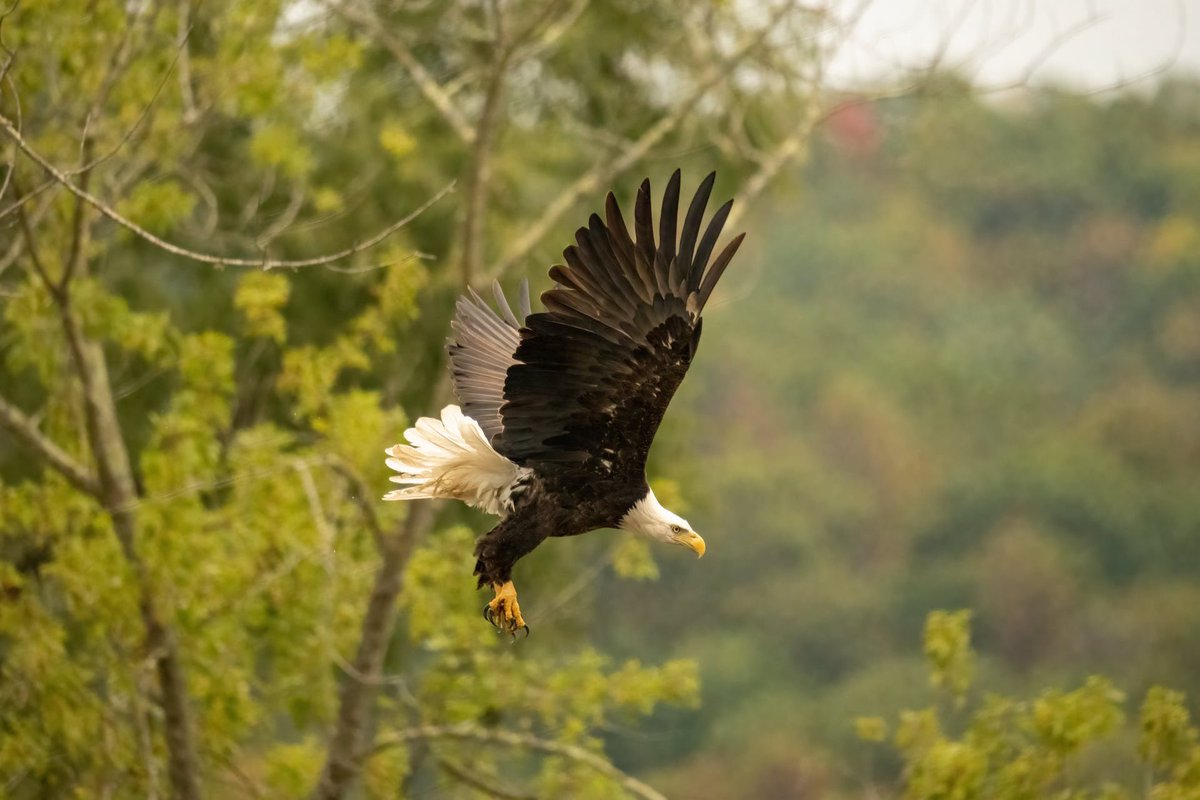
<point x="1002" y="747"/>
<point x="214" y="272"/>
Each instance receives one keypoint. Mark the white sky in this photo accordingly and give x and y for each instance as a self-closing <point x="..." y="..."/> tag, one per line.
<point x="1100" y="43"/>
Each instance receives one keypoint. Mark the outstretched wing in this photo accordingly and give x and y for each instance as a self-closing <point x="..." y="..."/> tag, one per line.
<point x="481" y="353"/>
<point x="593" y="374"/>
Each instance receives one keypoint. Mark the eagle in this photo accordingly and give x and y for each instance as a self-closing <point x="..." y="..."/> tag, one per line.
<point x="560" y="407"/>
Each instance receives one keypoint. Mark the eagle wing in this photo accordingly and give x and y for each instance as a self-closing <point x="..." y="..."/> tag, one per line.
<point x="592" y="375"/>
<point x="481" y="353"/>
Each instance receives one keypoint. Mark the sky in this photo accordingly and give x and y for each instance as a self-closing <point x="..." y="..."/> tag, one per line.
<point x="1088" y="45"/>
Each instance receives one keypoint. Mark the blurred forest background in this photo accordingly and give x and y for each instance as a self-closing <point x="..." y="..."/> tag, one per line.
<point x="956" y="366"/>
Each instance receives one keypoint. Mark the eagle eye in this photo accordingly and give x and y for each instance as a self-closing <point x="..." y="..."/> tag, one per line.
<point x="676" y="529"/>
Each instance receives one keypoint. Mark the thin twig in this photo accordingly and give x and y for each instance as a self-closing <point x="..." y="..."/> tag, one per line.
<point x="26" y="431"/>
<point x="88" y="166"/>
<point x="186" y="93"/>
<point x="479" y="168"/>
<point x="11" y="166"/>
<point x="285" y="219"/>
<point x="366" y="20"/>
<point x="360" y="495"/>
<point x="25" y="198"/>
<point x="470" y="777"/>
<point x="264" y="263"/>
<point x="18" y="243"/>
<point x="35" y="258"/>
<point x="521" y="741"/>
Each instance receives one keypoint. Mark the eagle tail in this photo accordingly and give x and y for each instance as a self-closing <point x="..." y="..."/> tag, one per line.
<point x="451" y="458"/>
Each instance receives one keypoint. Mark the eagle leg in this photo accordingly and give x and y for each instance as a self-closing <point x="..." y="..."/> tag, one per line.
<point x="504" y="612"/>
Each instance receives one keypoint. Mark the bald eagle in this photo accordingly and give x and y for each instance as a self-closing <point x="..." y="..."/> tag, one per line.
<point x="559" y="408"/>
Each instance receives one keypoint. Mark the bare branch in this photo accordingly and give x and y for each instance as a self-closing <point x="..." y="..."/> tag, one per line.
<point x="18" y="243"/>
<point x="190" y="112"/>
<point x="522" y="741"/>
<point x="263" y="263"/>
<point x="791" y="148"/>
<point x="469" y="777"/>
<point x="26" y="431"/>
<point x="80" y="229"/>
<point x="479" y="169"/>
<point x="35" y="258"/>
<point x="361" y="496"/>
<point x="11" y="166"/>
<point x="366" y="20"/>
<point x="262" y="582"/>
<point x="594" y="179"/>
<point x="554" y="30"/>
<point x="87" y="166"/>
<point x="25" y="198"/>
<point x="284" y="220"/>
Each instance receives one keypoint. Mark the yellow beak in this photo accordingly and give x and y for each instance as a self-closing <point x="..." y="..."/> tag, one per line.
<point x="692" y="541"/>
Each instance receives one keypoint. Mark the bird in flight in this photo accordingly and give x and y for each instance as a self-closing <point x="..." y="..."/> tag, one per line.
<point x="559" y="407"/>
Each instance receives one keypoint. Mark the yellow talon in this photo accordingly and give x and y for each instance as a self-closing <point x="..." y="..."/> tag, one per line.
<point x="503" y="611"/>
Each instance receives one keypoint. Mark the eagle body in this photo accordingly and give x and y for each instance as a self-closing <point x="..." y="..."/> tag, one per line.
<point x="560" y="407"/>
<point x="540" y="511"/>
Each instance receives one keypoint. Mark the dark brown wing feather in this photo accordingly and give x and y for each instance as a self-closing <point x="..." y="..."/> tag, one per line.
<point x="593" y="375"/>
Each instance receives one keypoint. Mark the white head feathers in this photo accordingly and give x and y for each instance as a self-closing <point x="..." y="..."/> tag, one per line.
<point x="649" y="518"/>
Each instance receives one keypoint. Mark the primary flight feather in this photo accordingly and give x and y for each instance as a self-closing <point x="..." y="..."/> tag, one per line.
<point x="559" y="408"/>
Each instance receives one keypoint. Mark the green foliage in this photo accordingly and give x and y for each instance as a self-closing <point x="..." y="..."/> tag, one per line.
<point x="254" y="406"/>
<point x="1011" y="748"/>
<point x="632" y="558"/>
<point x="259" y="297"/>
<point x="1168" y="741"/>
<point x="960" y="373"/>
<point x="158" y="207"/>
<point x="279" y="146"/>
<point x="948" y="650"/>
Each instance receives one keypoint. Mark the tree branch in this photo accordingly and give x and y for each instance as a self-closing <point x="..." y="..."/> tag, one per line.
<point x="479" y="169"/>
<point x="35" y="258"/>
<point x="264" y="263"/>
<point x="362" y="497"/>
<point x="343" y="761"/>
<point x="430" y="88"/>
<point x="79" y="227"/>
<point x="26" y="431"/>
<point x="793" y="147"/>
<point x="465" y="776"/>
<point x="594" y="179"/>
<point x="18" y="243"/>
<point x="522" y="741"/>
<point x="118" y="494"/>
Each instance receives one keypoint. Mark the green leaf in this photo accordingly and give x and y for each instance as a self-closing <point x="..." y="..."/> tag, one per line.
<point x="948" y="651"/>
<point x="632" y="558"/>
<point x="158" y="205"/>
<point x="260" y="296"/>
<point x="277" y="145"/>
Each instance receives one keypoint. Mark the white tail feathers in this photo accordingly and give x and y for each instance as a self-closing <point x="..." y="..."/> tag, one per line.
<point x="452" y="458"/>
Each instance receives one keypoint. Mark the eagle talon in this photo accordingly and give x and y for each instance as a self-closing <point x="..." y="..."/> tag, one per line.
<point x="504" y="612"/>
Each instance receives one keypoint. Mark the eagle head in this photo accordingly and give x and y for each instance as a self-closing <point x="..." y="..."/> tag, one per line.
<point x="648" y="518"/>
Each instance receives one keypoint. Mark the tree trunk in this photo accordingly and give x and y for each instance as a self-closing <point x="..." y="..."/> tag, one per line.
<point x="344" y="757"/>
<point x="119" y="497"/>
